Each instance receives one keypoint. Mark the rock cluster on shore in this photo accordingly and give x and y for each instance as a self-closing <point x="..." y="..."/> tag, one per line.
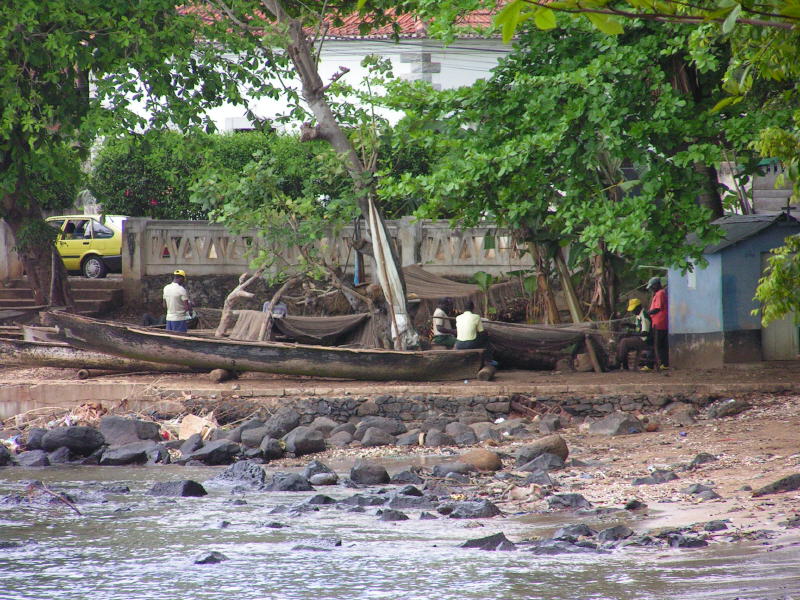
<point x="487" y="469"/>
<point x="126" y="441"/>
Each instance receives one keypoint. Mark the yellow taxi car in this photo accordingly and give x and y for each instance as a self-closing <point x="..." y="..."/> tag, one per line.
<point x="89" y="244"/>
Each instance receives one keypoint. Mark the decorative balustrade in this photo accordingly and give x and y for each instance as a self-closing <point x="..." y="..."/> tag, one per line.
<point x="157" y="247"/>
<point x="151" y="247"/>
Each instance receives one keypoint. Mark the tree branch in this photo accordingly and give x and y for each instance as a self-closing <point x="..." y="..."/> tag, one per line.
<point x="238" y="292"/>
<point x="667" y="18"/>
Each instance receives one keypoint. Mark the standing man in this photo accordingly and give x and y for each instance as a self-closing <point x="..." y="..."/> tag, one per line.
<point x="658" y="314"/>
<point x="443" y="333"/>
<point x="468" y="326"/>
<point x="178" y="304"/>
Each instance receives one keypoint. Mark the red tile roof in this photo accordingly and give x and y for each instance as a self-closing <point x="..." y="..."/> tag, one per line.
<point x="407" y="26"/>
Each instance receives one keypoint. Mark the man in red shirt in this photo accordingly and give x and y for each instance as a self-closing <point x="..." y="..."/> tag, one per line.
<point x="658" y="314"/>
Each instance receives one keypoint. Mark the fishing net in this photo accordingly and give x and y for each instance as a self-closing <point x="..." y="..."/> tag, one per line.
<point x="341" y="330"/>
<point x="428" y="289"/>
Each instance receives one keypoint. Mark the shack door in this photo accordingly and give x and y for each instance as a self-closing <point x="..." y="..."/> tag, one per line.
<point x="779" y="340"/>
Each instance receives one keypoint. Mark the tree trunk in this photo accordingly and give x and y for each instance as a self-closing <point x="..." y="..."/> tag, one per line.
<point x="543" y="284"/>
<point x="43" y="266"/>
<point x="684" y="79"/>
<point x="604" y="296"/>
<point x="303" y="58"/>
<point x="226" y="318"/>
<point x="575" y="310"/>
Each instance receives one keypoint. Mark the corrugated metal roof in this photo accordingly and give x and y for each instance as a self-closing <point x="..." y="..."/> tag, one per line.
<point x="741" y="227"/>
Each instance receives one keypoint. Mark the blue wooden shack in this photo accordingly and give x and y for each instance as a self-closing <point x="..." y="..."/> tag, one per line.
<point x="710" y="320"/>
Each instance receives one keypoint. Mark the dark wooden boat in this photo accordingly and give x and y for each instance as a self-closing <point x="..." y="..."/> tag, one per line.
<point x="537" y="347"/>
<point x="64" y="356"/>
<point x="267" y="357"/>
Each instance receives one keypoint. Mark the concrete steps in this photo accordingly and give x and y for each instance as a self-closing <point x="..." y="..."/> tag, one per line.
<point x="92" y="297"/>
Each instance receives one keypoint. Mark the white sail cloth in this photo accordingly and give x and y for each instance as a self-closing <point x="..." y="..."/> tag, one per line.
<point x="403" y="333"/>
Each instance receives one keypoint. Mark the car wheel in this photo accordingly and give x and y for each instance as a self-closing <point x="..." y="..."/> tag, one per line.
<point x="94" y="267"/>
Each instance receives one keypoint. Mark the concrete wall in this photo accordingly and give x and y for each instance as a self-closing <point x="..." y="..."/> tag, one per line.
<point x="695" y="316"/>
<point x="10" y="266"/>
<point x="711" y="324"/>
<point x="156" y="248"/>
<point x="741" y="269"/>
<point x="695" y="304"/>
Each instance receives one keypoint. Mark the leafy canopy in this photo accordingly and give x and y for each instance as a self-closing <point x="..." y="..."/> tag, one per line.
<point x="577" y="137"/>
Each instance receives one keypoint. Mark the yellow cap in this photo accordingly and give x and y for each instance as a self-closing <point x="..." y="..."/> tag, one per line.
<point x="180" y="272"/>
<point x="633" y="303"/>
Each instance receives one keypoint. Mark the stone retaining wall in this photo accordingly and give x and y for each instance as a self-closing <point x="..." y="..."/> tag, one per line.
<point x="422" y="407"/>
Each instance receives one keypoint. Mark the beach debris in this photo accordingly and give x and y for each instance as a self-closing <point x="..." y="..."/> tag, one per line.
<point x="727" y="408"/>
<point x="191" y="424"/>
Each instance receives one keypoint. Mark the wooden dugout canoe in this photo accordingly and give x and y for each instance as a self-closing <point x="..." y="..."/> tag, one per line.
<point x="267" y="357"/>
<point x="64" y="356"/>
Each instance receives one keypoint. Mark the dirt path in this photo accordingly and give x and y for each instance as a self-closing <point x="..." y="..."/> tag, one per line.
<point x="773" y="373"/>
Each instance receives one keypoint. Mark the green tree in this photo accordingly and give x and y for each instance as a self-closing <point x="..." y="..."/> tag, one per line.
<point x="280" y="30"/>
<point x="578" y="137"/>
<point x="148" y="175"/>
<point x="153" y="174"/>
<point x="69" y="70"/>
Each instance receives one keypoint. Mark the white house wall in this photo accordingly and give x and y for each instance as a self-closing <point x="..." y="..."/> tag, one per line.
<point x="460" y="64"/>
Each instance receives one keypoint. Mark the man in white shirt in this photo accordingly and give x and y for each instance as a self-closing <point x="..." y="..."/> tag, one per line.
<point x="178" y="305"/>
<point x="443" y="333"/>
<point x="468" y="326"/>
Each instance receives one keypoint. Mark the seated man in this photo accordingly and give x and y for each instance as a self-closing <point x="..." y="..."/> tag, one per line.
<point x="638" y="341"/>
<point x="469" y="328"/>
<point x="443" y="334"/>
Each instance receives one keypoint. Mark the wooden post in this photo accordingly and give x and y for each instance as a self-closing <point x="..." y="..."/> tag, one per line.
<point x="569" y="291"/>
<point x="575" y="307"/>
<point x="592" y="354"/>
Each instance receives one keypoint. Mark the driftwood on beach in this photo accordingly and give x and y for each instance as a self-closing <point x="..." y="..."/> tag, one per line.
<point x="64" y="356"/>
<point x="268" y="357"/>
